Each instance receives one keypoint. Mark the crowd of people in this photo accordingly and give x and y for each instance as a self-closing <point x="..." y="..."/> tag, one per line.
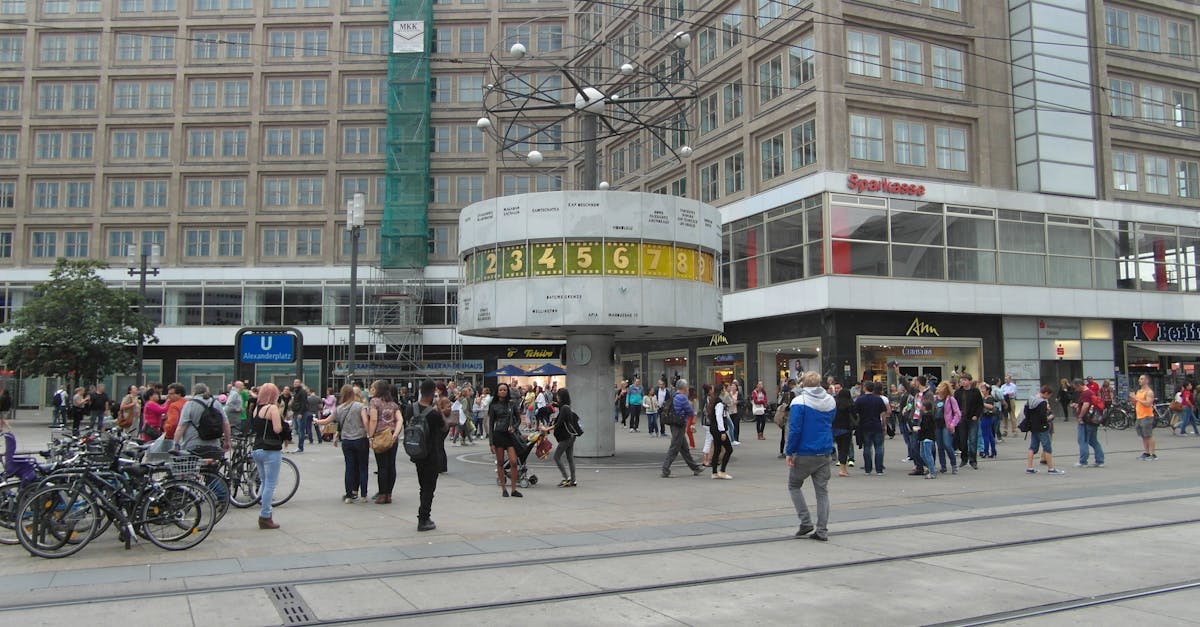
<point x="943" y="426"/>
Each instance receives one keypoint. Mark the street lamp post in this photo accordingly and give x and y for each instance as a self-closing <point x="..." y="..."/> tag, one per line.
<point x="354" y="223"/>
<point x="140" y="260"/>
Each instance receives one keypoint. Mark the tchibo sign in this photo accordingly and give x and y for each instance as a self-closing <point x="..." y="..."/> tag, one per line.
<point x="862" y="184"/>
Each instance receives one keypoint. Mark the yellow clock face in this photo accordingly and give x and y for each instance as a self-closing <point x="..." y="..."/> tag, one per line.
<point x="591" y="258"/>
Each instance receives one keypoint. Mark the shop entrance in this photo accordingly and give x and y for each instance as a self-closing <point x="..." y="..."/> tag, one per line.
<point x="933" y="372"/>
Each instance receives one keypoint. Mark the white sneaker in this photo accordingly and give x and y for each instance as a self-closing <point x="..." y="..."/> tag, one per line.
<point x="736" y="443"/>
<point x="906" y="460"/>
<point x="1079" y="465"/>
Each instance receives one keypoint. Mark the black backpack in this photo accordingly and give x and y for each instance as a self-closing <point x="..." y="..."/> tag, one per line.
<point x="416" y="434"/>
<point x="211" y="424"/>
<point x="667" y="415"/>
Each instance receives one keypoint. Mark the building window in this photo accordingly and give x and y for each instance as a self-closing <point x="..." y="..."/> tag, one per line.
<point x="233" y="193"/>
<point x="1184" y="108"/>
<point x="951" y="146"/>
<point x="947" y="68"/>
<point x="119" y="243"/>
<point x="53" y="49"/>
<point x="160" y="95"/>
<point x="1125" y="171"/>
<point x="6" y="242"/>
<point x="1179" y="40"/>
<point x="52" y="97"/>
<point x="772" y="157"/>
<point x="1120" y="98"/>
<point x="197" y="243"/>
<point x="201" y="143"/>
<point x="127" y="96"/>
<point x="312" y="141"/>
<point x="229" y="242"/>
<point x="468" y="189"/>
<point x="83" y="97"/>
<point x="735" y="173"/>
<point x="804" y="144"/>
<point x="866" y="138"/>
<point x="802" y="65"/>
<point x="732" y="94"/>
<point x="1187" y="177"/>
<point x="277" y="192"/>
<point x="1148" y="33"/>
<point x="310" y="192"/>
<point x="312" y="92"/>
<point x="233" y="143"/>
<point x="1157" y="174"/>
<point x="708" y="112"/>
<point x="8" y="146"/>
<point x="770" y="79"/>
<point x="45" y="195"/>
<point x="123" y="194"/>
<point x="908" y="143"/>
<point x="82" y="145"/>
<point x="308" y="242"/>
<point x="1154" y="104"/>
<point x="203" y="94"/>
<point x="907" y="64"/>
<point x="79" y="194"/>
<point x="1116" y="27"/>
<point x="471" y="39"/>
<point x="275" y="242"/>
<point x="237" y="94"/>
<point x="44" y="244"/>
<point x="10" y="97"/>
<point x="199" y="194"/>
<point x="280" y="93"/>
<point x="154" y="193"/>
<point x="710" y="182"/>
<point x="863" y="50"/>
<point x="470" y="89"/>
<point x="279" y="142"/>
<point x="48" y="146"/>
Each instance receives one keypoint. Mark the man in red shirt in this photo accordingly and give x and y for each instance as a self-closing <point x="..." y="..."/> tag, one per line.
<point x="175" y="401"/>
<point x="1094" y="387"/>
<point x="1086" y="414"/>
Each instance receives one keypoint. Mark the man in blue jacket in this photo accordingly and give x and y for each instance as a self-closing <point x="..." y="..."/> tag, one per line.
<point x="810" y="438"/>
<point x="683" y="410"/>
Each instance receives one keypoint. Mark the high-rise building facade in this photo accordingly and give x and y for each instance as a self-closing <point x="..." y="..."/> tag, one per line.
<point x="952" y="185"/>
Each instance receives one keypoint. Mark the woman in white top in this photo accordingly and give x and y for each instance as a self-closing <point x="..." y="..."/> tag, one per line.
<point x="717" y="413"/>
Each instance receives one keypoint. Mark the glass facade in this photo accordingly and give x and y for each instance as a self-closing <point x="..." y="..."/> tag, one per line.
<point x="914" y="239"/>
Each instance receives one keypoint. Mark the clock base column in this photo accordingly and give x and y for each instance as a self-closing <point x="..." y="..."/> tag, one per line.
<point x="590" y="381"/>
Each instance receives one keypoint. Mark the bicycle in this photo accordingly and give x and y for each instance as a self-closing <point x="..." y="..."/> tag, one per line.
<point x="1119" y="416"/>
<point x="244" y="483"/>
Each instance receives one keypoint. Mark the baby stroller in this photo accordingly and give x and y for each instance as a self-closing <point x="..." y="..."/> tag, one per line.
<point x="525" y="445"/>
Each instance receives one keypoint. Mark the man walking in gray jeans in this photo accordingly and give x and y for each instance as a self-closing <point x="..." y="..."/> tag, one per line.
<point x="810" y="438"/>
<point x="683" y="410"/>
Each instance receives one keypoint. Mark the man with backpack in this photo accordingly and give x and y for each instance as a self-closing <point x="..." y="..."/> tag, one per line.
<point x="203" y="427"/>
<point x="426" y="449"/>
<point x="1088" y="412"/>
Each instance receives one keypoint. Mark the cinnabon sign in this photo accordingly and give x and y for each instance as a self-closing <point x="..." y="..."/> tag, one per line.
<point x="862" y="184"/>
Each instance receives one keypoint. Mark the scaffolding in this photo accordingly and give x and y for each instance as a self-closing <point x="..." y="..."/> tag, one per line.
<point x="405" y="230"/>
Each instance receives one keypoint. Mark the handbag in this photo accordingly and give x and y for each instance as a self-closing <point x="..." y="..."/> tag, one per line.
<point x="382" y="441"/>
<point x="269" y="437"/>
<point x="150" y="432"/>
<point x="759" y="410"/>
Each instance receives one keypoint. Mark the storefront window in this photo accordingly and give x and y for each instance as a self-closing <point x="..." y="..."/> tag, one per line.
<point x="783" y="360"/>
<point x="978" y="266"/>
<point x="937" y="360"/>
<point x="722" y="365"/>
<point x="670" y="367"/>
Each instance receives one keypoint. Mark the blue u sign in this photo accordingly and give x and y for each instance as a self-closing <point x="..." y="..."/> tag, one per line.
<point x="268" y="349"/>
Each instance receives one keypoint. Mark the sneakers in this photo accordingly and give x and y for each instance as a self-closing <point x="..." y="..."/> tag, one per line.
<point x="850" y="463"/>
<point x="724" y="475"/>
<point x="819" y="537"/>
<point x="930" y="476"/>
<point x="906" y="460"/>
<point x="915" y="473"/>
<point x="425" y="524"/>
<point x="349" y="499"/>
<point x="1055" y="471"/>
<point x="1031" y="471"/>
<point x="954" y="470"/>
<point x="1098" y="465"/>
<point x="804" y="530"/>
<point x="736" y="443"/>
<point x="1143" y="457"/>
<point x="697" y="471"/>
<point x="1080" y="464"/>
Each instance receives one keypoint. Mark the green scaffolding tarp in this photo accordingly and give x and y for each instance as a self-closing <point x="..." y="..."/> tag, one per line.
<point x="405" y="229"/>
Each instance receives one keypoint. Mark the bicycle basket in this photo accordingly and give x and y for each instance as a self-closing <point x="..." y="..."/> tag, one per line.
<point x="184" y="465"/>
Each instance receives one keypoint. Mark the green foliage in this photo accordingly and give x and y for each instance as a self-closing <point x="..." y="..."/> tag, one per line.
<point x="76" y="327"/>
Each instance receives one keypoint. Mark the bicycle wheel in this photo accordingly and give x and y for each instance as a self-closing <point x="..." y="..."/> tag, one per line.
<point x="179" y="516"/>
<point x="10" y="496"/>
<point x="285" y="486"/>
<point x="243" y="484"/>
<point x="56" y="521"/>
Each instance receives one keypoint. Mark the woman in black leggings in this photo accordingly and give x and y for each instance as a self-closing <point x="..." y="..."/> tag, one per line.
<point x="843" y="428"/>
<point x="721" y="438"/>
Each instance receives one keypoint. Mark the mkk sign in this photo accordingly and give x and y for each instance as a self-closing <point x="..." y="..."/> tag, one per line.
<point x="267" y="349"/>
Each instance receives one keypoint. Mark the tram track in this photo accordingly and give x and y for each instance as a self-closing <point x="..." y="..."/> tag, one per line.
<point x="1078" y="603"/>
<point x="729" y="578"/>
<point x="638" y="552"/>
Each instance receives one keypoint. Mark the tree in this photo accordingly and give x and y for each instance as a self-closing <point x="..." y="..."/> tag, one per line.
<point x="76" y="327"/>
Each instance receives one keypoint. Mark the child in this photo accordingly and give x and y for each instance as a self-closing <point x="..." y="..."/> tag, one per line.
<point x="927" y="435"/>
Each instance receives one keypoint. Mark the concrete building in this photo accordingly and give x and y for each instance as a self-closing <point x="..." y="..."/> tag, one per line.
<point x="989" y="186"/>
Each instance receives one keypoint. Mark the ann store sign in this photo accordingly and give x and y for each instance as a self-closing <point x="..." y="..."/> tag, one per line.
<point x="921" y="329"/>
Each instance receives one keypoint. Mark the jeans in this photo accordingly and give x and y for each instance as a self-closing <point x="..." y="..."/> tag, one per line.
<point x="927" y="455"/>
<point x="97" y="420"/>
<point x="679" y="447"/>
<point x="635" y="416"/>
<point x="356" y="454"/>
<point x="1189" y="418"/>
<point x="565" y="448"/>
<point x="60" y="415"/>
<point x="817" y="467"/>
<point x="478" y="425"/>
<point x="303" y="429"/>
<point x="972" y="452"/>
<point x="268" y="463"/>
<point x="873" y="442"/>
<point x="945" y="444"/>
<point x="385" y="464"/>
<point x="988" y="430"/>
<point x="1085" y="435"/>
<point x="427" y="476"/>
<point x="652" y="420"/>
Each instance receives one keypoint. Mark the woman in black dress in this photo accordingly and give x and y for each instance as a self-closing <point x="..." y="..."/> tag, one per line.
<point x="503" y="418"/>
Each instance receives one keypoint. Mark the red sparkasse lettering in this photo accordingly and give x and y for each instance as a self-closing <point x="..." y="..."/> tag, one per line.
<point x="862" y="184"/>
